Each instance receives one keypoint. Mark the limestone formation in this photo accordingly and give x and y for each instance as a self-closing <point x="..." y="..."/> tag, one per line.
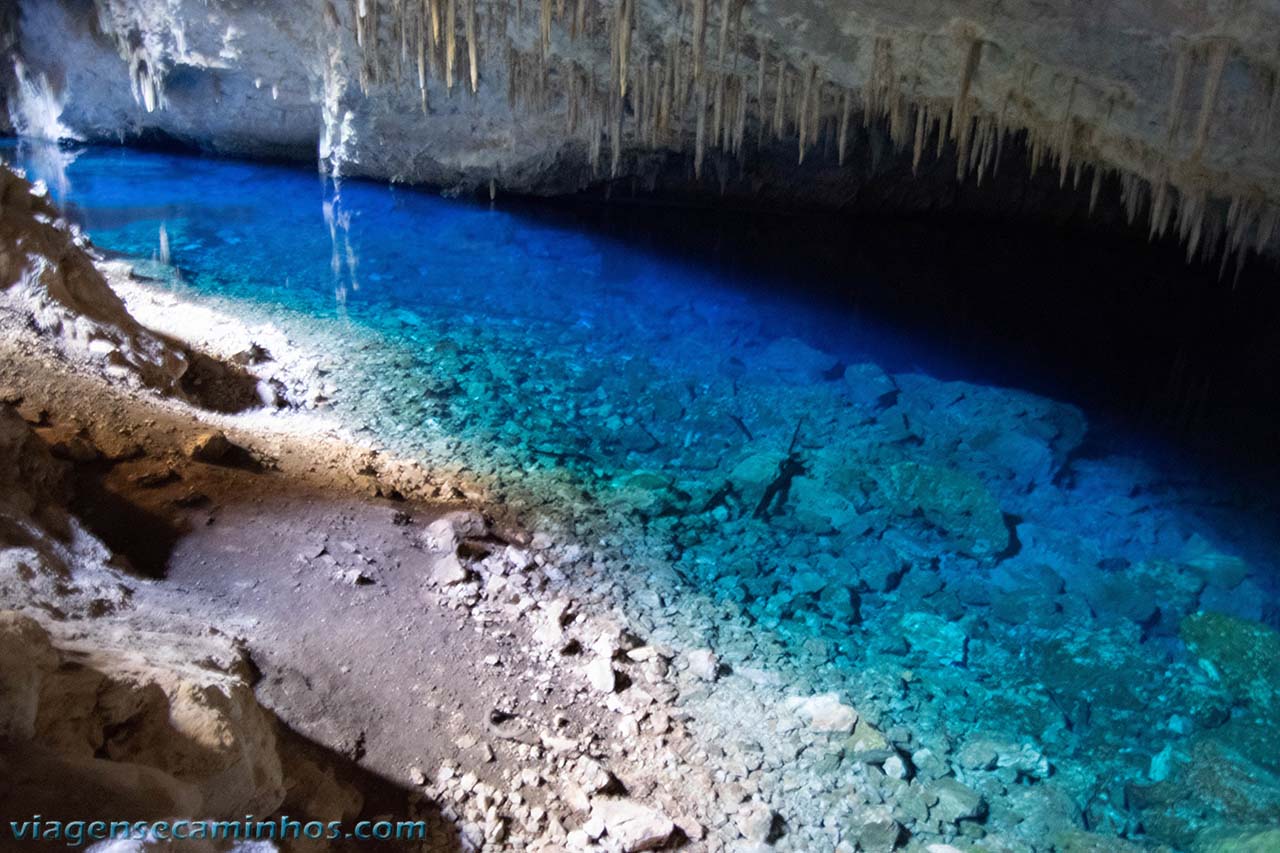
<point x="101" y="726"/>
<point x="48" y="275"/>
<point x="1173" y="111"/>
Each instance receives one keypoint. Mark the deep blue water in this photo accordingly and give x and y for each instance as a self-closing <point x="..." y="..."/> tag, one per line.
<point x="548" y="351"/>
<point x="386" y="259"/>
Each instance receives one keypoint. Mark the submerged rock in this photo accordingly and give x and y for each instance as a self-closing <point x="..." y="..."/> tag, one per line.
<point x="941" y="641"/>
<point x="795" y="361"/>
<point x="953" y="500"/>
<point x="868" y="386"/>
<point x="1244" y="654"/>
<point x="956" y="801"/>
<point x="1213" y="786"/>
<point x="825" y="713"/>
<point x="704" y="664"/>
<point x="1229" y="840"/>
<point x="876" y="831"/>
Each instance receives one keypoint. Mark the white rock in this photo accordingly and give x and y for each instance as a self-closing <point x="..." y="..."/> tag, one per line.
<point x="601" y="675"/>
<point x="592" y="775"/>
<point x="825" y="713"/>
<point x="756" y="821"/>
<point x="704" y="664"/>
<point x="448" y="570"/>
<point x="631" y="824"/>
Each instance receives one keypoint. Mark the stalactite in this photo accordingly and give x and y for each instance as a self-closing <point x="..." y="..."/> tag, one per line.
<point x="595" y="143"/>
<point x="615" y="140"/>
<point x="450" y="42"/>
<point x="422" y="63"/>
<point x="802" y="119"/>
<point x="1178" y="92"/>
<point x="1267" y="225"/>
<point x="779" y="104"/>
<point x="544" y="28"/>
<point x="1161" y="207"/>
<point x="845" y="107"/>
<point x="922" y="130"/>
<point x="473" y="47"/>
<point x="624" y="44"/>
<point x="726" y="18"/>
<point x="961" y="124"/>
<point x="699" y="36"/>
<point x="667" y="95"/>
<point x="1219" y="52"/>
<point x="740" y="126"/>
<point x="1065" y="134"/>
<point x="760" y="106"/>
<point x="669" y="90"/>
<point x="717" y="107"/>
<point x="700" y="137"/>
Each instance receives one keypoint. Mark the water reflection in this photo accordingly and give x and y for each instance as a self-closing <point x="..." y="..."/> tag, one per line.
<point x="50" y="162"/>
<point x="343" y="261"/>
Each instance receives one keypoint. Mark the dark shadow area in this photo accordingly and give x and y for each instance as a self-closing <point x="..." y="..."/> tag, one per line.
<point x="383" y="800"/>
<point x="1078" y="310"/>
<point x="135" y="534"/>
<point x="39" y="781"/>
<point x="218" y="386"/>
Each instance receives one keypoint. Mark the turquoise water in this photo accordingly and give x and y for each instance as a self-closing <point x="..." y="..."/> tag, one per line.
<point x="800" y="487"/>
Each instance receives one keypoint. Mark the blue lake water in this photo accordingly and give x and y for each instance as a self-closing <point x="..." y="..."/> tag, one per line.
<point x="860" y="498"/>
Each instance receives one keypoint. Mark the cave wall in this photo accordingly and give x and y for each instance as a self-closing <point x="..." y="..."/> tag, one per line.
<point x="1169" y="106"/>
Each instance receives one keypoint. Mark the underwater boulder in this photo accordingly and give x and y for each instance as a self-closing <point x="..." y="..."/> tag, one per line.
<point x="868" y="387"/>
<point x="877" y="567"/>
<point x="956" y="801"/>
<point x="1169" y="591"/>
<point x="1225" y="571"/>
<point x="753" y="473"/>
<point x="940" y="641"/>
<point x="794" y="361"/>
<point x="1021" y="438"/>
<point x="1217" y="784"/>
<point x="1236" y="840"/>
<point x="875" y="830"/>
<point x="1104" y="671"/>
<point x="1244" y="655"/>
<point x="1082" y="841"/>
<point x="868" y="744"/>
<point x="648" y="494"/>
<point x="819" y="509"/>
<point x="954" y="501"/>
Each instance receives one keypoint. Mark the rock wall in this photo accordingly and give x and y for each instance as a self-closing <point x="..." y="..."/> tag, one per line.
<point x="48" y="276"/>
<point x="172" y="730"/>
<point x="113" y="711"/>
<point x="146" y="724"/>
<point x="1167" y="107"/>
